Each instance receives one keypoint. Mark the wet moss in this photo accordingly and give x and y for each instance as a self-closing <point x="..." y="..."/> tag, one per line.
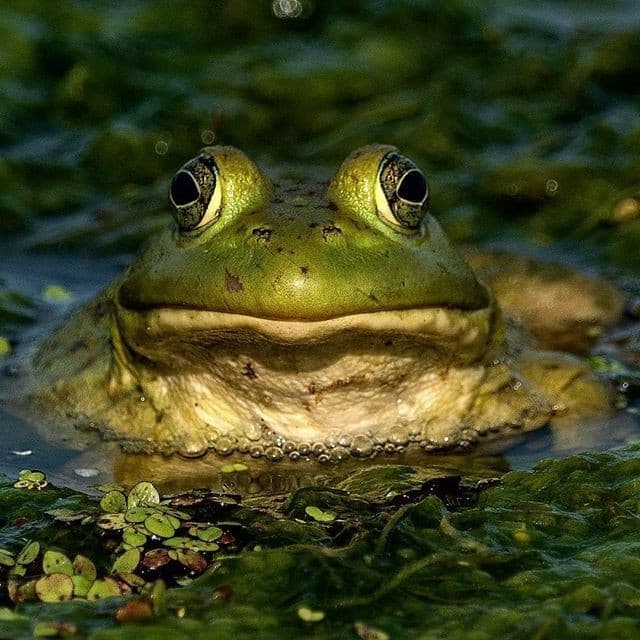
<point x="548" y="551"/>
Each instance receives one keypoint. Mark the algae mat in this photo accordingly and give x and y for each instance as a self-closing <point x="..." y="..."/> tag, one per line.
<point x="384" y="554"/>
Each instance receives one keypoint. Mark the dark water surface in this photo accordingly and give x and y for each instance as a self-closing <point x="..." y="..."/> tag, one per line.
<point x="525" y="117"/>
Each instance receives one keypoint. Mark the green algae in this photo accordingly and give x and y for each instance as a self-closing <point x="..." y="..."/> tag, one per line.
<point x="550" y="552"/>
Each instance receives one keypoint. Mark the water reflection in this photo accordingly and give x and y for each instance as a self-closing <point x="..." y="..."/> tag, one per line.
<point x="81" y="460"/>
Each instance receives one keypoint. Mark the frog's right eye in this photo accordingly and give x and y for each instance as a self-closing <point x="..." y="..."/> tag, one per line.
<point x="195" y="193"/>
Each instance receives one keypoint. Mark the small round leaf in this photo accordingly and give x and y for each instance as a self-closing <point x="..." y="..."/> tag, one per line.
<point x="113" y="502"/>
<point x="54" y="588"/>
<point x="56" y="562"/>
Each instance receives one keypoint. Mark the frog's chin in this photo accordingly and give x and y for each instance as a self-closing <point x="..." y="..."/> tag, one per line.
<point x="451" y="330"/>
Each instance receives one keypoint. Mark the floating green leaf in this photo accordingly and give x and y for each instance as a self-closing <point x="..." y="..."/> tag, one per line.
<point x="82" y="566"/>
<point x="137" y="514"/>
<point x="54" y="588"/>
<point x="319" y="515"/>
<point x="113" y="502"/>
<point x="182" y="542"/>
<point x="143" y="494"/>
<point x="112" y="522"/>
<point x="6" y="558"/>
<point x="105" y="488"/>
<point x="67" y="515"/>
<point x="56" y="562"/>
<point x="134" y="538"/>
<point x="209" y="534"/>
<point x="127" y="562"/>
<point x="81" y="586"/>
<point x="103" y="588"/>
<point x="132" y="579"/>
<point x="161" y="525"/>
<point x="29" y="553"/>
<point x="28" y="479"/>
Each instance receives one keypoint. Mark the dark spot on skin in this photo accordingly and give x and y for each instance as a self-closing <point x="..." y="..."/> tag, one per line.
<point x="298" y="237"/>
<point x="388" y="343"/>
<point x="249" y="371"/>
<point x="262" y="234"/>
<point x="78" y="345"/>
<point x="232" y="283"/>
<point x="280" y="249"/>
<point x="372" y="297"/>
<point x="313" y="225"/>
<point x="312" y="388"/>
<point x="100" y="310"/>
<point x="277" y="200"/>
<point x="159" y="417"/>
<point x="333" y="206"/>
<point x="330" y="230"/>
<point x="304" y="270"/>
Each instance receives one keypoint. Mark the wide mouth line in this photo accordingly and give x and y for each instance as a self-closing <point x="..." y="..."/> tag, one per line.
<point x="177" y="308"/>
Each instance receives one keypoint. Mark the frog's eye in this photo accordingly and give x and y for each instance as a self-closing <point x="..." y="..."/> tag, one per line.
<point x="195" y="193"/>
<point x="402" y="193"/>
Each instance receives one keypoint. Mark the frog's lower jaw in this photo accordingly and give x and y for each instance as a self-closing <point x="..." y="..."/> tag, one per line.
<point x="356" y="384"/>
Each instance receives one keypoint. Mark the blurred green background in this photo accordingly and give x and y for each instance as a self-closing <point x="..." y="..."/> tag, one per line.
<point x="524" y="115"/>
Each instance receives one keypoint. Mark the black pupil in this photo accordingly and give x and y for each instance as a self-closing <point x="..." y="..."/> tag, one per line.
<point x="184" y="189"/>
<point x="413" y="187"/>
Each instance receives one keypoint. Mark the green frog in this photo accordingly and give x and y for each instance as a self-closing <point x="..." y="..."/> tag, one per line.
<point x="318" y="320"/>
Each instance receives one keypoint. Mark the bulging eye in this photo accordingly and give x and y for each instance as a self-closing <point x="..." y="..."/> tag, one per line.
<point x="195" y="193"/>
<point x="402" y="193"/>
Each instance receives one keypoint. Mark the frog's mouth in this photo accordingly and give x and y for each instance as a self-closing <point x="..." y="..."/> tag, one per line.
<point x="455" y="330"/>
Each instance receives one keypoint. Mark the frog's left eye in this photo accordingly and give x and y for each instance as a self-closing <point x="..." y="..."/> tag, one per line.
<point x="402" y="193"/>
<point x="195" y="193"/>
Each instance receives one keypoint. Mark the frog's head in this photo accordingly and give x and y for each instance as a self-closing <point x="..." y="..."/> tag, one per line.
<point x="301" y="310"/>
<point x="301" y="253"/>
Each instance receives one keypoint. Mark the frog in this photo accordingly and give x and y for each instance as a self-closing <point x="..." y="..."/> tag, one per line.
<point x="320" y="320"/>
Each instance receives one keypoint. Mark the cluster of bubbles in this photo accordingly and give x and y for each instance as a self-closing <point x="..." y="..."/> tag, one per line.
<point x="260" y="442"/>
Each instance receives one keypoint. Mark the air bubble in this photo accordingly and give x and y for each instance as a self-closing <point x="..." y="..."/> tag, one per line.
<point x="323" y="458"/>
<point x="224" y="445"/>
<point x="273" y="453"/>
<point x="304" y="448"/>
<point x="253" y="432"/>
<point x="289" y="447"/>
<point x="318" y="448"/>
<point x="362" y="446"/>
<point x="256" y="451"/>
<point x="294" y="455"/>
<point x="399" y="438"/>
